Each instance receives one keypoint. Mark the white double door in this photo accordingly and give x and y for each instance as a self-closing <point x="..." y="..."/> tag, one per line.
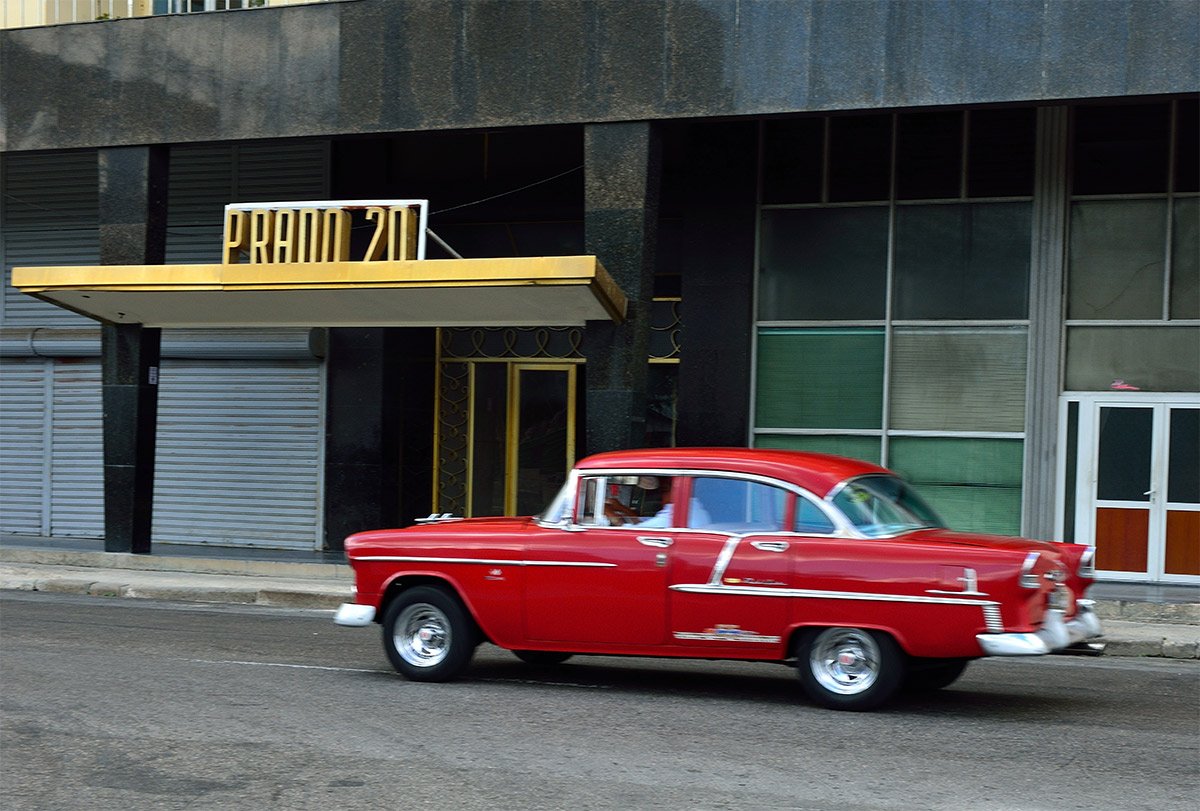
<point x="1136" y="483"/>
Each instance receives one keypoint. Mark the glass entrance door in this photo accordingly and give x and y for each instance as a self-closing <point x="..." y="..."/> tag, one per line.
<point x="505" y="435"/>
<point x="541" y="434"/>
<point x="1138" y="487"/>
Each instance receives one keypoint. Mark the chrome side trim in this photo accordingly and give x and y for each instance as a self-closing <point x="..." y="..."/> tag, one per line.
<point x="487" y="561"/>
<point x="354" y="615"/>
<point x="711" y="637"/>
<point x="722" y="563"/>
<point x="762" y="591"/>
<point x="992" y="618"/>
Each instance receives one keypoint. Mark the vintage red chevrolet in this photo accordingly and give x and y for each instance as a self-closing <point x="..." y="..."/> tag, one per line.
<point x="829" y="564"/>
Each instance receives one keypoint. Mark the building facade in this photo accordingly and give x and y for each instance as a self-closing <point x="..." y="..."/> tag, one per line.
<point x="959" y="239"/>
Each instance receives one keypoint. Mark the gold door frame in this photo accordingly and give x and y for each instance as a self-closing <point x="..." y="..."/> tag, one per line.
<point x="513" y="424"/>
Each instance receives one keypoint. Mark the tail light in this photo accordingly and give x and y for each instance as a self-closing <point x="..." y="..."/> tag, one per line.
<point x="1028" y="579"/>
<point x="1087" y="563"/>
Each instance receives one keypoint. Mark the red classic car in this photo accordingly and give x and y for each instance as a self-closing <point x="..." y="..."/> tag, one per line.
<point x="832" y="565"/>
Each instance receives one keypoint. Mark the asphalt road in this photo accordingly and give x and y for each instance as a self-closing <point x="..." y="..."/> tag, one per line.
<point x="131" y="704"/>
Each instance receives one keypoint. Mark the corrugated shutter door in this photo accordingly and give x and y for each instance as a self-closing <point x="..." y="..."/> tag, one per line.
<point x="50" y="215"/>
<point x="239" y="453"/>
<point x="77" y="452"/>
<point x="22" y="437"/>
<point x="205" y="178"/>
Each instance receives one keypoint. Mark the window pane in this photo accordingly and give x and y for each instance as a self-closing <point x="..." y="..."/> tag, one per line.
<point x="962" y="261"/>
<point x="959" y="379"/>
<point x="489" y="439"/>
<point x="1000" y="152"/>
<point x="1185" y="259"/>
<point x="823" y="264"/>
<point x="1123" y="466"/>
<point x="865" y="448"/>
<point x="1183" y="464"/>
<point x="1187" y="146"/>
<point x="1150" y="358"/>
<point x="860" y="150"/>
<point x="1115" y="269"/>
<point x="975" y="484"/>
<point x="929" y="155"/>
<point x="811" y="519"/>
<point x="820" y="379"/>
<point x="1121" y="149"/>
<point x="792" y="156"/>
<point x="736" y="506"/>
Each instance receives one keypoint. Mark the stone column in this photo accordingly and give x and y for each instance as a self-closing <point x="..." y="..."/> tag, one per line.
<point x="1047" y="272"/>
<point x="132" y="230"/>
<point x="623" y="167"/>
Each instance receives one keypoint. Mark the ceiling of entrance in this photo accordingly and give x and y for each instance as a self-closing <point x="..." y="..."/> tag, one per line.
<point x="559" y="291"/>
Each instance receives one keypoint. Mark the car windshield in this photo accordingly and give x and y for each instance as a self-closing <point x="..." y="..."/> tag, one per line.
<point x="559" y="507"/>
<point x="880" y="506"/>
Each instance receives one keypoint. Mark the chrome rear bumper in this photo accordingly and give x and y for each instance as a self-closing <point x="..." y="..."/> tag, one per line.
<point x="1055" y="634"/>
<point x="354" y="615"/>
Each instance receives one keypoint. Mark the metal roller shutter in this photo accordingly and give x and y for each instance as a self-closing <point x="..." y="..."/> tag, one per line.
<point x="239" y="454"/>
<point x="50" y="215"/>
<point x="23" y="473"/>
<point x="77" y="451"/>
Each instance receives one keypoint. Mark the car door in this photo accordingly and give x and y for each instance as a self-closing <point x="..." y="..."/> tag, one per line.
<point x="731" y="567"/>
<point x="595" y="582"/>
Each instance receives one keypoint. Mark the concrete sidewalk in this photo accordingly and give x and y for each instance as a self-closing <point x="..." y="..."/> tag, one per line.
<point x="1143" y="621"/>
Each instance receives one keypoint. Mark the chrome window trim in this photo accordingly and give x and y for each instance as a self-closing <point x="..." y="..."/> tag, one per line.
<point x="769" y="591"/>
<point x="487" y="561"/>
<point x="842" y="527"/>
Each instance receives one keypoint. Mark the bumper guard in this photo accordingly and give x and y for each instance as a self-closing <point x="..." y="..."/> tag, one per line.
<point x="354" y="615"/>
<point x="1055" y="634"/>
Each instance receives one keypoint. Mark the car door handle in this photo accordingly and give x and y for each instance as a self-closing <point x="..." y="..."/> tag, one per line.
<point x="770" y="546"/>
<point x="647" y="540"/>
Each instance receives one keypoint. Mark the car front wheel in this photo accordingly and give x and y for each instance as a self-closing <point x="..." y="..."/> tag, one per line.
<point x="848" y="668"/>
<point x="428" y="635"/>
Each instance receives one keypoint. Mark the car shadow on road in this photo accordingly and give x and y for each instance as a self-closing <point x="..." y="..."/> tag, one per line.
<point x="763" y="683"/>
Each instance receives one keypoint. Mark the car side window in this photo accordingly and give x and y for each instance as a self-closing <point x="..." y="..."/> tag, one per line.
<point x="735" y="505"/>
<point x="811" y="519"/>
<point x="617" y="501"/>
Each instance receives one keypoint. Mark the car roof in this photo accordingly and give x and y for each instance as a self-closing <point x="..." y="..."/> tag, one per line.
<point x="816" y="472"/>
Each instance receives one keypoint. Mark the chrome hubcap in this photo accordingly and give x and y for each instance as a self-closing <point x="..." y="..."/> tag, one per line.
<point x="422" y="635"/>
<point x="844" y="660"/>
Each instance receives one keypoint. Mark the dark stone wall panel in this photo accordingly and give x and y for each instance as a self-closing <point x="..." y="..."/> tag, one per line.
<point x="396" y="65"/>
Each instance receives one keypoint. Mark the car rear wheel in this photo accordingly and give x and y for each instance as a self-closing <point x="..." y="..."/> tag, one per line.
<point x="428" y="635"/>
<point x="542" y="657"/>
<point x="923" y="676"/>
<point x="848" y="668"/>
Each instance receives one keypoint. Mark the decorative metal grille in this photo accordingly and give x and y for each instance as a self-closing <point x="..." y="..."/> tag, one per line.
<point x="512" y="343"/>
<point x="454" y="436"/>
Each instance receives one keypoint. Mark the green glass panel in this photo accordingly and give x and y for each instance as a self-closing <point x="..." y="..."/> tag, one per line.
<point x="975" y="484"/>
<point x="820" y="378"/>
<point x="1185" y="259"/>
<point x="865" y="448"/>
<point x="1149" y="358"/>
<point x="994" y="510"/>
<point x="1118" y="251"/>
